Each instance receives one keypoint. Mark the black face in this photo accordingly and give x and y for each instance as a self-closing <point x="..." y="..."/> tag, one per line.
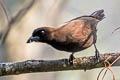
<point x="39" y="32"/>
<point x="39" y="35"/>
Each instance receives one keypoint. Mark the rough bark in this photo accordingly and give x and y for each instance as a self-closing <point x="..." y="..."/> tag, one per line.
<point x="31" y="66"/>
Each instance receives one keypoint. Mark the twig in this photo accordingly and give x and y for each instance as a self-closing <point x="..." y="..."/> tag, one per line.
<point x="20" y="14"/>
<point x="0" y="35"/>
<point x="30" y="66"/>
<point x="5" y="10"/>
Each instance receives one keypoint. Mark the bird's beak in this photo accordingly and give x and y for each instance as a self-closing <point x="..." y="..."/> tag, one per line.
<point x="31" y="39"/>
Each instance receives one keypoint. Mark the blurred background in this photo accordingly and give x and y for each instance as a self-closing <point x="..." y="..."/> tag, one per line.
<point x="41" y="13"/>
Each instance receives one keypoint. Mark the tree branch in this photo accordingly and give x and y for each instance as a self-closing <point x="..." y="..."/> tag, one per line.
<point x="19" y="15"/>
<point x="82" y="63"/>
<point x="5" y="10"/>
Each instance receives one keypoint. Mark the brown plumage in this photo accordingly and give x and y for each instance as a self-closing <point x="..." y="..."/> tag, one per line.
<point x="72" y="36"/>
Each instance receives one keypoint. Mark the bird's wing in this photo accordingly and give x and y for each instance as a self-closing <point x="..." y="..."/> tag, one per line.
<point x="99" y="15"/>
<point x="80" y="32"/>
<point x="73" y="31"/>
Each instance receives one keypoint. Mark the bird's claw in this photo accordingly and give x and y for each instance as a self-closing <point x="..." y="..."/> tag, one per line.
<point x="71" y="59"/>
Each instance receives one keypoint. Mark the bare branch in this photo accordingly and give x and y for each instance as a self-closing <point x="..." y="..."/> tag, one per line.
<point x="30" y="66"/>
<point x="20" y="14"/>
<point x="5" y="10"/>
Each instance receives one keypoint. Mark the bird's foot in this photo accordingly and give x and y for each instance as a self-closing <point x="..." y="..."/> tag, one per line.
<point x="71" y="59"/>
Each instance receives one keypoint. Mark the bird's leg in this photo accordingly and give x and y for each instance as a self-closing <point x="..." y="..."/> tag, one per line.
<point x="71" y="59"/>
<point x="94" y="42"/>
<point x="96" y="53"/>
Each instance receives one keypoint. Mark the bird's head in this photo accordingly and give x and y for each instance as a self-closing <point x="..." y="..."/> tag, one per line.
<point x="40" y="35"/>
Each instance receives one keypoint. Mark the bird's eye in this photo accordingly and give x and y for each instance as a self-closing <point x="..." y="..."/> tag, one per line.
<point x="39" y="32"/>
<point x="42" y="32"/>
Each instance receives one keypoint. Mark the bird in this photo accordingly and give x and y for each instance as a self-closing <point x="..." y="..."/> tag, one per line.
<point x="73" y="36"/>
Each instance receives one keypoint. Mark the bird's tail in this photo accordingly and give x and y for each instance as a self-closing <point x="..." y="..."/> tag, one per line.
<point x="99" y="14"/>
